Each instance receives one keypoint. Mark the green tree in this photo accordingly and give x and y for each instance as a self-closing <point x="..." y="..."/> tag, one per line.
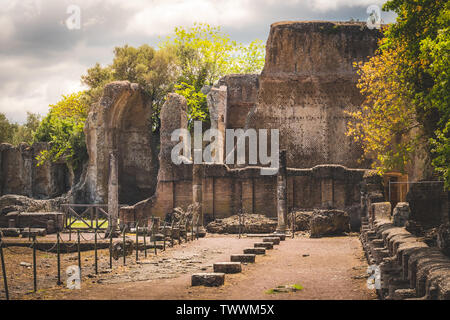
<point x="25" y="132"/>
<point x="63" y="129"/>
<point x="384" y="125"/>
<point x="206" y="54"/>
<point x="422" y="28"/>
<point x="7" y="129"/>
<point x="155" y="70"/>
<point x="406" y="86"/>
<point x="196" y="103"/>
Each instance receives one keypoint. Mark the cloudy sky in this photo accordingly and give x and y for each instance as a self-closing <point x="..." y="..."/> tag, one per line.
<point x="42" y="58"/>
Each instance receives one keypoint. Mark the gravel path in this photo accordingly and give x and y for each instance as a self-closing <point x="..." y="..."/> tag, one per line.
<point x="327" y="268"/>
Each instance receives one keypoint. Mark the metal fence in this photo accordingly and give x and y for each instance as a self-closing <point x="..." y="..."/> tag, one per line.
<point x="172" y="234"/>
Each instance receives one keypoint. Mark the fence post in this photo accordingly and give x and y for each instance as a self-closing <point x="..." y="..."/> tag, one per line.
<point x="95" y="251"/>
<point x="110" y="250"/>
<point x="186" y="230"/>
<point x="34" y="265"/>
<point x="79" y="250"/>
<point x="137" y="241"/>
<point x="5" y="280"/>
<point x="171" y="234"/>
<point x="154" y="237"/>
<point x="145" y="244"/>
<point x="164" y="236"/>
<point x="179" y="232"/>
<point x="293" y="225"/>
<point x="192" y="229"/>
<point x="58" y="252"/>
<point x="123" y="245"/>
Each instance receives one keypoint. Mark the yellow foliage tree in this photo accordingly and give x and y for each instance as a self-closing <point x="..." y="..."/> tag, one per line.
<point x="384" y="125"/>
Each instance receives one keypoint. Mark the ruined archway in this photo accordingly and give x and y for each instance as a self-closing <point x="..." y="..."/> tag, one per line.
<point x="120" y="123"/>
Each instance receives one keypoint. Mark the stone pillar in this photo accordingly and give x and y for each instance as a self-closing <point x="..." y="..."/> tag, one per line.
<point x="197" y="196"/>
<point x="282" y="194"/>
<point x="217" y="105"/>
<point x="113" y="194"/>
<point x="27" y="155"/>
<point x="327" y="193"/>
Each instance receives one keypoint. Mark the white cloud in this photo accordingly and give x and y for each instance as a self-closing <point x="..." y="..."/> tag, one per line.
<point x="40" y="59"/>
<point x="324" y="5"/>
<point x="161" y="17"/>
<point x="6" y="28"/>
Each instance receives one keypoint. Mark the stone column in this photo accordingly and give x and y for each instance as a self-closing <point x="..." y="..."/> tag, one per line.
<point x="327" y="197"/>
<point x="113" y="194"/>
<point x="197" y="196"/>
<point x="217" y="105"/>
<point x="282" y="193"/>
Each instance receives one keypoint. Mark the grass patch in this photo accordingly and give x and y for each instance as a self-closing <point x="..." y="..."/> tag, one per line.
<point x="81" y="225"/>
<point x="285" y="289"/>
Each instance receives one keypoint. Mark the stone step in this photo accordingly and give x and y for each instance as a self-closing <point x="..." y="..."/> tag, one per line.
<point x="208" y="279"/>
<point x="279" y="235"/>
<point x="245" y="258"/>
<point x="265" y="245"/>
<point x="157" y="237"/>
<point x="402" y="294"/>
<point x="274" y="240"/>
<point x="39" y="232"/>
<point x="227" y="267"/>
<point x="255" y="251"/>
<point x="10" y="232"/>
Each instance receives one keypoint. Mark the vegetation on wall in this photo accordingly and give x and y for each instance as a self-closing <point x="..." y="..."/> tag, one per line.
<point x="63" y="129"/>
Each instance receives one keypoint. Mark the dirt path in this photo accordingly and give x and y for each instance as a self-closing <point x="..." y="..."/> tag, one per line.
<point x="327" y="268"/>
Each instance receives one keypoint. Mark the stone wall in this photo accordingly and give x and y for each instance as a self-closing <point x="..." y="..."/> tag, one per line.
<point x="407" y="267"/>
<point x="119" y="123"/>
<point x="20" y="174"/>
<point x="228" y="190"/>
<point x="307" y="85"/>
<point x="242" y="93"/>
<point x="429" y="204"/>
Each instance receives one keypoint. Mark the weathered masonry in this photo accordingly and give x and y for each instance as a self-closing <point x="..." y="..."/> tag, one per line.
<point x="305" y="90"/>
<point x="307" y="86"/>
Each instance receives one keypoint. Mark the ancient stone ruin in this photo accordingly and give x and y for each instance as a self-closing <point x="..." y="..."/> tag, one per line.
<point x="305" y="90"/>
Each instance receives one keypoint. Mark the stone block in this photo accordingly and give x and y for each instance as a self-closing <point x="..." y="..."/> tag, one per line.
<point x="280" y="235"/>
<point x="381" y="211"/>
<point x="258" y="251"/>
<point x="227" y="267"/>
<point x="30" y="232"/>
<point x="329" y="222"/>
<point x="401" y="214"/>
<point x="244" y="258"/>
<point x="401" y="294"/>
<point x="274" y="240"/>
<point x="208" y="279"/>
<point x="10" y="232"/>
<point x="265" y="245"/>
